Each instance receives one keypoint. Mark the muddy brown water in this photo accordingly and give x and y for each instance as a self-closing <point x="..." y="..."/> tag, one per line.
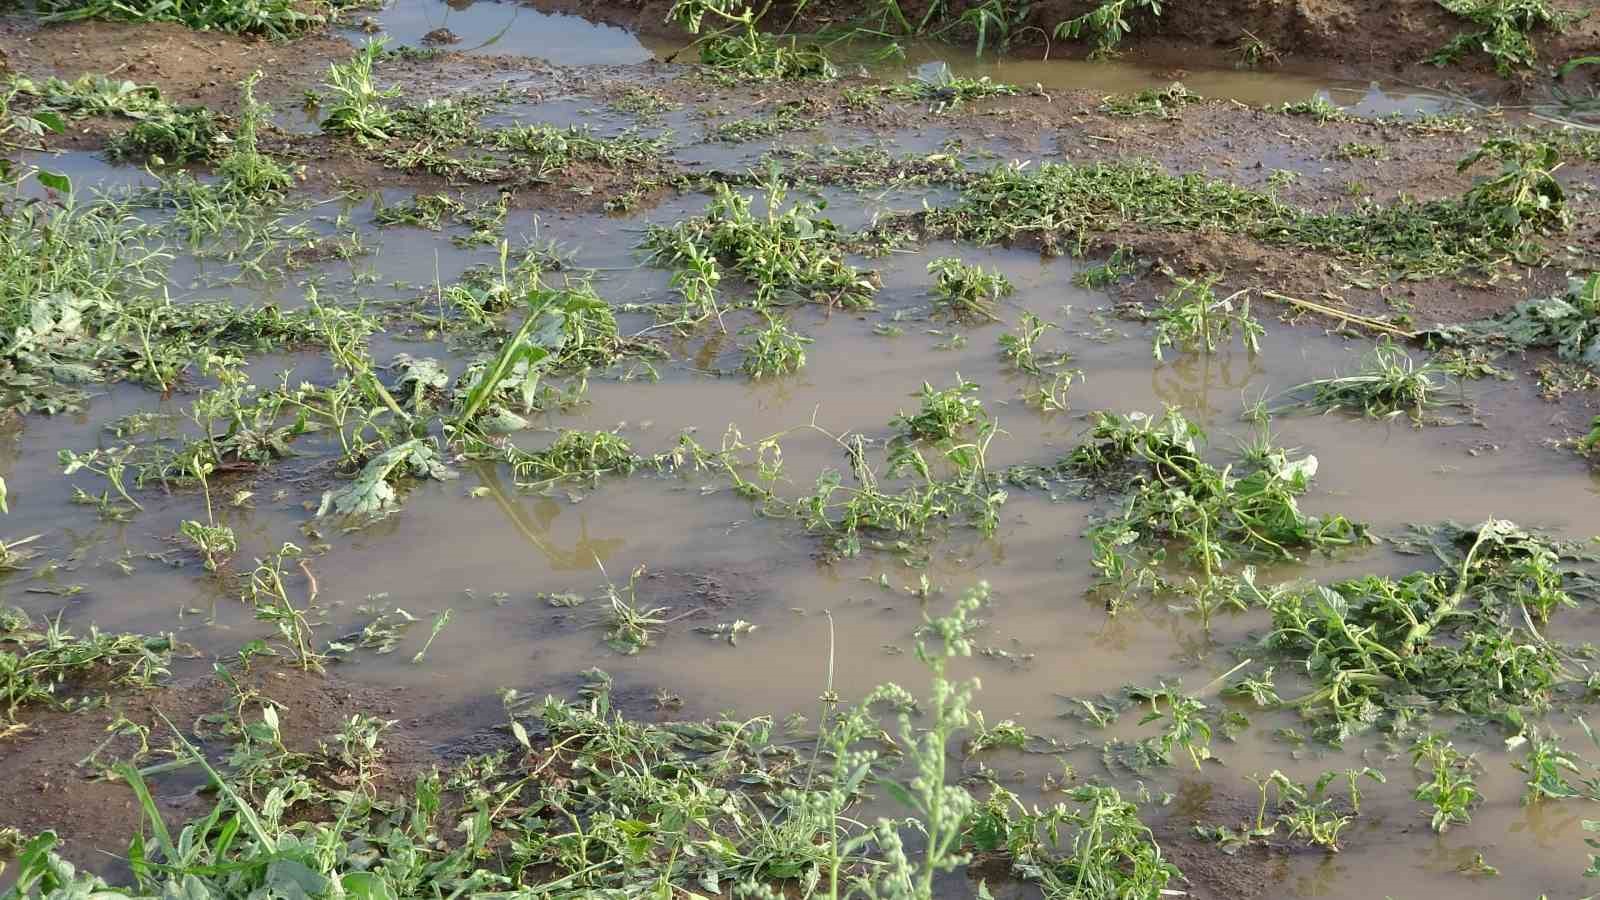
<point x="486" y="551"/>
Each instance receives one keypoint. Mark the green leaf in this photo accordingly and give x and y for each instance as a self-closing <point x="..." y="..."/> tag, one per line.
<point x="55" y="182"/>
<point x="3" y="507"/>
<point x="50" y="120"/>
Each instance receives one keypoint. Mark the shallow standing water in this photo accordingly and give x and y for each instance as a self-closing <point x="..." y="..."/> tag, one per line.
<point x="491" y="553"/>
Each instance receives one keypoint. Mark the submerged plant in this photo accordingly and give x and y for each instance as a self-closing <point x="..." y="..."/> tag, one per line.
<point x="777" y="350"/>
<point x="790" y="253"/>
<point x="945" y="412"/>
<point x="1193" y="318"/>
<point x="1389" y="383"/>
<point x="1451" y="789"/>
<point x="967" y="291"/>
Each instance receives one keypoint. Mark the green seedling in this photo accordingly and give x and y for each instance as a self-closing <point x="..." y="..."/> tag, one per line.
<point x="1452" y="790"/>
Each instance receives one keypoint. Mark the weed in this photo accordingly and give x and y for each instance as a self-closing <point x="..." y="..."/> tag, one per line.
<point x="1253" y="52"/>
<point x="185" y="135"/>
<point x="1120" y="264"/>
<point x="777" y="350"/>
<point x="1373" y="644"/>
<point x="95" y="95"/>
<point x="1193" y="318"/>
<point x="1063" y="201"/>
<point x="737" y="50"/>
<point x="1568" y="323"/>
<point x="247" y="173"/>
<point x="1452" y="790"/>
<point x="790" y="116"/>
<point x="357" y="108"/>
<point x="1505" y="26"/>
<point x="945" y="413"/>
<point x="944" y="92"/>
<point x="1184" y="725"/>
<point x="269" y="595"/>
<point x="1020" y="347"/>
<point x="1158" y="103"/>
<point x="37" y="667"/>
<point x="1546" y="766"/>
<point x="1353" y="150"/>
<point x="276" y="19"/>
<point x="789" y="254"/>
<point x="644" y="102"/>
<point x="1389" y="383"/>
<point x="1107" y="24"/>
<point x="1319" y="108"/>
<point x="967" y="292"/>
<point x="1525" y="196"/>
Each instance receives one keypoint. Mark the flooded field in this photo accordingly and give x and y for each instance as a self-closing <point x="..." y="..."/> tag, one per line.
<point x="1221" y="423"/>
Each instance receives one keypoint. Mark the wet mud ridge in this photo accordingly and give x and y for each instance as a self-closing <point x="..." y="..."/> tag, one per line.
<point x="1100" y="449"/>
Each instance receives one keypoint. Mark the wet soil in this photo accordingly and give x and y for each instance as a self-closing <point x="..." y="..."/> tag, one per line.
<point x="53" y="786"/>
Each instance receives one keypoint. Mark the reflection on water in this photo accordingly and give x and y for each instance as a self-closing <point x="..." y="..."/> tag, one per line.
<point x="491" y="26"/>
<point x="1255" y="88"/>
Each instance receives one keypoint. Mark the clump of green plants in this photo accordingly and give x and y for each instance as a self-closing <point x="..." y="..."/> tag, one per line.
<point x="1525" y="195"/>
<point x="1179" y="502"/>
<point x="553" y="148"/>
<point x="1254" y="52"/>
<point x="356" y="108"/>
<point x="1192" y="317"/>
<point x="1307" y="812"/>
<point x="790" y="253"/>
<point x="1388" y="384"/>
<point x="944" y="92"/>
<point x="1464" y="637"/>
<point x="246" y="172"/>
<point x="966" y="291"/>
<point x="731" y="45"/>
<point x="1318" y="107"/>
<point x="776" y="350"/>
<point x="1108" y="24"/>
<point x="1061" y="204"/>
<point x="564" y="804"/>
<point x="41" y="666"/>
<point x="630" y="627"/>
<point x="184" y="135"/>
<point x="1504" y="35"/>
<point x="945" y="413"/>
<point x="1568" y="323"/>
<point x="573" y="456"/>
<point x="95" y="95"/>
<point x="1352" y="150"/>
<point x="789" y="116"/>
<point x="1158" y="103"/>
<point x="276" y="19"/>
<point x="1120" y="264"/>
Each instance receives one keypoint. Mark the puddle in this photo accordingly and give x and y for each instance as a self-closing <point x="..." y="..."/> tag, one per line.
<point x="1253" y="88"/>
<point x="494" y="27"/>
